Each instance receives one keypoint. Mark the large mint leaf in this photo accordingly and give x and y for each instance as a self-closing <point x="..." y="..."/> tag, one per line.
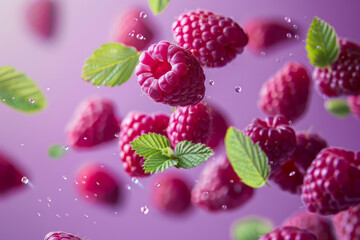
<point x="111" y="65"/>
<point x="20" y="92"/>
<point x="247" y="159"/>
<point x="190" y="155"/>
<point x="322" y="44"/>
<point x="338" y="107"/>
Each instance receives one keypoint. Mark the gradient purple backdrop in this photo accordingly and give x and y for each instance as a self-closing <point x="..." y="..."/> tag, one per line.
<point x="83" y="26"/>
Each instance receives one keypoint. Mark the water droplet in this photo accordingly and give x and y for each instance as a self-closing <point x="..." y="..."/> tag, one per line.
<point x="95" y="195"/>
<point x="157" y="184"/>
<point x="94" y="222"/>
<point x="39" y="200"/>
<point x="58" y="215"/>
<point x="59" y="189"/>
<point x="292" y="173"/>
<point x="238" y="89"/>
<point x="262" y="53"/>
<point x="143" y="14"/>
<point x="31" y="100"/>
<point x="85" y="215"/>
<point x="144" y="210"/>
<point x="22" y="144"/>
<point x="231" y="181"/>
<point x="4" y="100"/>
<point x="85" y="138"/>
<point x="277" y="60"/>
<point x="76" y="182"/>
<point x="48" y="89"/>
<point x="75" y="199"/>
<point x="87" y="196"/>
<point x="290" y="54"/>
<point x="205" y="195"/>
<point x="297" y="37"/>
<point x="290" y="122"/>
<point x="313" y="31"/>
<point x="48" y="204"/>
<point x="196" y="180"/>
<point x="288" y="35"/>
<point x="39" y="214"/>
<point x="115" y="212"/>
<point x="97" y="183"/>
<point x="224" y="207"/>
<point x="135" y="180"/>
<point x="49" y="199"/>
<point x="13" y="98"/>
<point x="64" y="177"/>
<point x="211" y="82"/>
<point x="24" y="180"/>
<point x="135" y="19"/>
<point x="66" y="147"/>
<point x="66" y="214"/>
<point x="295" y="26"/>
<point x="318" y="47"/>
<point x="116" y="135"/>
<point x="132" y="33"/>
<point x="287" y="19"/>
<point x="139" y="36"/>
<point x="83" y="182"/>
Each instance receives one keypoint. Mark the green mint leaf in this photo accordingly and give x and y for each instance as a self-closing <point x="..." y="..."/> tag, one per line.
<point x="190" y="154"/>
<point x="247" y="159"/>
<point x="56" y="151"/>
<point x="149" y="144"/>
<point x="20" y="92"/>
<point x="338" y="107"/>
<point x="322" y="44"/>
<point x="111" y="65"/>
<point x="158" y="163"/>
<point x="251" y="228"/>
<point x="157" y="6"/>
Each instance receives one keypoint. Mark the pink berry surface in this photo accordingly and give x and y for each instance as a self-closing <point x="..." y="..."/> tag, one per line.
<point x="50" y="202"/>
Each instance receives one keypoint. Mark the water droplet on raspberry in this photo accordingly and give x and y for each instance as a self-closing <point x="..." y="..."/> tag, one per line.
<point x="288" y="35"/>
<point x="231" y="181"/>
<point x="116" y="135"/>
<point x="135" y="180"/>
<point x="24" y="180"/>
<point x="157" y="184"/>
<point x="262" y="53"/>
<point x="295" y="26"/>
<point x="287" y="19"/>
<point x="31" y="100"/>
<point x="66" y="147"/>
<point x="292" y="173"/>
<point x="140" y="36"/>
<point x="238" y="89"/>
<point x="296" y="37"/>
<point x="132" y="33"/>
<point x="144" y="210"/>
<point x="211" y="82"/>
<point x="76" y="182"/>
<point x="143" y="14"/>
<point x="128" y="187"/>
<point x="135" y="19"/>
<point x="85" y="138"/>
<point x="205" y="195"/>
<point x="224" y="207"/>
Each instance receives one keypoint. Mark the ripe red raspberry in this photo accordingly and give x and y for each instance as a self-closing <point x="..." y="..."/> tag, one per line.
<point x="289" y="233"/>
<point x="41" y="16"/>
<point x="332" y="182"/>
<point x="287" y="92"/>
<point x="219" y="187"/>
<point x="264" y="34"/>
<point x="96" y="183"/>
<point x="354" y="105"/>
<point x="219" y="126"/>
<point x="312" y="222"/>
<point x="347" y="224"/>
<point x="10" y="175"/>
<point x="275" y="137"/>
<point x="291" y="173"/>
<point x="93" y="123"/>
<point x="58" y="235"/>
<point x="132" y="29"/>
<point x="191" y="123"/>
<point x="344" y="77"/>
<point x="134" y="125"/>
<point x="171" y="194"/>
<point x="214" y="39"/>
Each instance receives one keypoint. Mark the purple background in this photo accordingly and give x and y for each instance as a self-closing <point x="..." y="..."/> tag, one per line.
<point x="83" y="26"/>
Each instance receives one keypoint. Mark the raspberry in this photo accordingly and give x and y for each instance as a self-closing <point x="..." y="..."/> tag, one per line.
<point x="41" y="17"/>
<point x="288" y="233"/>
<point x="95" y="183"/>
<point x="171" y="194"/>
<point x="215" y="40"/>
<point x="312" y="222"/>
<point x="219" y="187"/>
<point x="93" y="123"/>
<point x="219" y="127"/>
<point x="265" y="34"/>
<point x="332" y="182"/>
<point x="134" y="125"/>
<point x="291" y="173"/>
<point x="171" y="75"/>
<point x="344" y="77"/>
<point x="287" y="92"/>
<point x="58" y="235"/>
<point x="132" y="30"/>
<point x="354" y="105"/>
<point x="275" y="137"/>
<point x="10" y="175"/>
<point x="347" y="224"/>
<point x="192" y="123"/>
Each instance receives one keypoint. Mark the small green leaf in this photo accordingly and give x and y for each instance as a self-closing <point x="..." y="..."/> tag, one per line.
<point x="149" y="144"/>
<point x="322" y="44"/>
<point x="157" y="6"/>
<point x="338" y="107"/>
<point x="251" y="228"/>
<point x="158" y="163"/>
<point x="190" y="155"/>
<point x="247" y="159"/>
<point x="20" y="92"/>
<point x="111" y="65"/>
<point x="56" y="151"/>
